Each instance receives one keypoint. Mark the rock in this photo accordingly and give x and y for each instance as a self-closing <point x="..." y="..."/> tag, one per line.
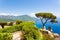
<point x="16" y="35"/>
<point x="47" y="32"/>
<point x="56" y="35"/>
<point x="57" y="39"/>
<point x="51" y="34"/>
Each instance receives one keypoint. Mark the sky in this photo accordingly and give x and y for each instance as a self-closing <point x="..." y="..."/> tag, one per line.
<point x="29" y="7"/>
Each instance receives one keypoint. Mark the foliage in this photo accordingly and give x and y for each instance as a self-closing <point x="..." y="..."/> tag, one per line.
<point x="45" y="17"/>
<point x="11" y="29"/>
<point x="11" y="24"/>
<point x="18" y="22"/>
<point x="31" y="32"/>
<point x="54" y="21"/>
<point x="3" y="24"/>
<point x="6" y="36"/>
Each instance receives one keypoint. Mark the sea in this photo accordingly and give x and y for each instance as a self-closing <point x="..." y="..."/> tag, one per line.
<point x="55" y="26"/>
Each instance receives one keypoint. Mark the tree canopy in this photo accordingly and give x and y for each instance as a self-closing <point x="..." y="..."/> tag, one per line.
<point x="45" y="17"/>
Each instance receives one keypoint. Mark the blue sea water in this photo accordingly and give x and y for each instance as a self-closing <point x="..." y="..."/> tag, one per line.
<point x="55" y="26"/>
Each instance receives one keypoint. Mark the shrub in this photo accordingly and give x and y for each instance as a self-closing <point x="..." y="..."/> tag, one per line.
<point x="3" y="24"/>
<point x="11" y="29"/>
<point x="31" y="32"/>
<point x="6" y="36"/>
<point x="15" y="28"/>
<point x="18" y="22"/>
<point x="11" y="24"/>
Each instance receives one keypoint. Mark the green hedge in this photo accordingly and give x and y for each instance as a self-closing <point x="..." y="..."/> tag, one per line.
<point x="11" y="29"/>
<point x="31" y="32"/>
<point x="15" y="27"/>
<point x="6" y="36"/>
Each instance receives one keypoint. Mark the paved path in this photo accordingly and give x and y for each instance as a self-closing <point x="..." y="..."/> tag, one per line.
<point x="16" y="35"/>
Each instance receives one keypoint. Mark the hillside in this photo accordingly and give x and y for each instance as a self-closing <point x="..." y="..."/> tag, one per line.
<point x="14" y="18"/>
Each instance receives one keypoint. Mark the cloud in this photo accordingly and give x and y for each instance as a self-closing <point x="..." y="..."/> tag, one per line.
<point x="3" y="14"/>
<point x="11" y="14"/>
<point x="31" y="14"/>
<point x="58" y="15"/>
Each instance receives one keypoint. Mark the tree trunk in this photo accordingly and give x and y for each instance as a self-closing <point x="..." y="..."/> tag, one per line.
<point x="2" y="26"/>
<point x="43" y="26"/>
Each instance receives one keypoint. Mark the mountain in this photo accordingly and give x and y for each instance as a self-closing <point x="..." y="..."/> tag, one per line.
<point x="26" y="18"/>
<point x="14" y="18"/>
